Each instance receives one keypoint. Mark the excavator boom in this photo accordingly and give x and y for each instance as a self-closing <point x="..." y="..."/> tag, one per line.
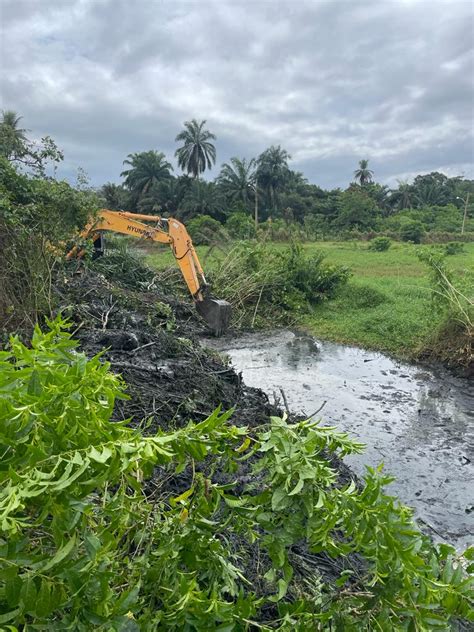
<point x="170" y="231"/>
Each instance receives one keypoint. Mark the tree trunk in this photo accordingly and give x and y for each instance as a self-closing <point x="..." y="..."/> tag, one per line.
<point x="256" y="207"/>
<point x="465" y="214"/>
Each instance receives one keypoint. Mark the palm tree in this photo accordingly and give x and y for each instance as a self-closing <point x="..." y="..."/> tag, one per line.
<point x="363" y="173"/>
<point x="12" y="137"/>
<point x="203" y="198"/>
<point x="146" y="169"/>
<point x="273" y="172"/>
<point x="401" y="198"/>
<point x="115" y="196"/>
<point x="197" y="153"/>
<point x="172" y="192"/>
<point x="237" y="179"/>
<point x="432" y="189"/>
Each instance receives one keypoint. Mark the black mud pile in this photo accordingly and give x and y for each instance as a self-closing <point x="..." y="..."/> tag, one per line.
<point x="151" y="337"/>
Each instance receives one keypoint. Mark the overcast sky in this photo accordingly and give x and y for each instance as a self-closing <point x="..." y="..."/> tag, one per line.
<point x="331" y="82"/>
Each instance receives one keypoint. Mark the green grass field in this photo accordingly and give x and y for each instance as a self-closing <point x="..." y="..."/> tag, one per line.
<point x="387" y="302"/>
<point x="385" y="306"/>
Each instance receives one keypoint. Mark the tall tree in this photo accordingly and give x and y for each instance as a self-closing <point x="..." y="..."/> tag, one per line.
<point x="357" y="210"/>
<point x="433" y="189"/>
<point x="380" y="194"/>
<point x="296" y="182"/>
<point x="172" y="192"/>
<point x="237" y="180"/>
<point x="273" y="172"/>
<point x="12" y="137"/>
<point x="363" y="173"/>
<point x="197" y="153"/>
<point x="146" y="169"/>
<point x="16" y="148"/>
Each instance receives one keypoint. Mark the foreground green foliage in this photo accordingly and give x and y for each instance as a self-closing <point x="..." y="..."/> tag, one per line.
<point x="103" y="528"/>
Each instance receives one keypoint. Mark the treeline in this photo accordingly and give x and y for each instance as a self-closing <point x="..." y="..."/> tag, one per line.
<point x="265" y="189"/>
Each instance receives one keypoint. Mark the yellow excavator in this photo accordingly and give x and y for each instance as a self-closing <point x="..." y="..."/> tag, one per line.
<point x="216" y="313"/>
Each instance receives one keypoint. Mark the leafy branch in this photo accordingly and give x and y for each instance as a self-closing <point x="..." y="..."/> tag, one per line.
<point x="101" y="527"/>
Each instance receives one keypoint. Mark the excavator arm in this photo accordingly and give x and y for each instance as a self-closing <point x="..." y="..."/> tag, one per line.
<point x="168" y="231"/>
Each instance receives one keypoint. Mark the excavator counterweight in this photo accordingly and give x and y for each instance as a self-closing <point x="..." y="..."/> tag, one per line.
<point x="215" y="312"/>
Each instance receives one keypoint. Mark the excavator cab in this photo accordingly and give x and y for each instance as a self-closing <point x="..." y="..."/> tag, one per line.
<point x="99" y="246"/>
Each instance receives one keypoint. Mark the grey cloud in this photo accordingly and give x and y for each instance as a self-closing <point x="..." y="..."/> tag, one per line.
<point x="330" y="81"/>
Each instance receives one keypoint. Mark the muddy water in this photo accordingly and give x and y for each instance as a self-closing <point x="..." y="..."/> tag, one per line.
<point x="419" y="422"/>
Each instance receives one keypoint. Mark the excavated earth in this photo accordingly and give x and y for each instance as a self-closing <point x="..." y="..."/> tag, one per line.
<point x="153" y="339"/>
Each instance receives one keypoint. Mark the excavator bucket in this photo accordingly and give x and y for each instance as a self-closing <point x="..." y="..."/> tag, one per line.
<point x="215" y="312"/>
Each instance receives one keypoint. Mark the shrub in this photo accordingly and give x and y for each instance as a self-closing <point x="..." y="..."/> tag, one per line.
<point x="412" y="230"/>
<point x="452" y="341"/>
<point x="380" y="244"/>
<point x="27" y="262"/>
<point x="240" y="226"/>
<point x="205" y="230"/>
<point x="315" y="279"/>
<point x="454" y="248"/>
<point x="36" y="216"/>
<point x="362" y="296"/>
<point x="256" y="279"/>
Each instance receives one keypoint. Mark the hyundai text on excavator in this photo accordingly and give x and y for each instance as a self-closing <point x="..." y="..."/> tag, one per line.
<point x="215" y="312"/>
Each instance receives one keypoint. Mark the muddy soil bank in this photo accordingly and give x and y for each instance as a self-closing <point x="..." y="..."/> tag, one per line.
<point x="418" y="421"/>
